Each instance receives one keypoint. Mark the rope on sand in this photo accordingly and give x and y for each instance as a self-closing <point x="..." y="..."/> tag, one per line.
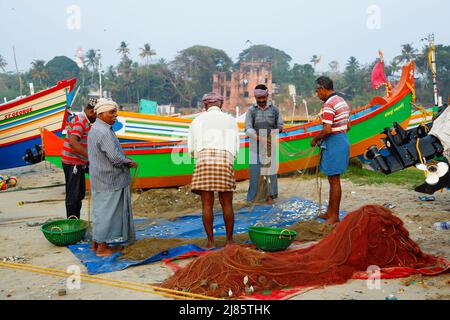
<point x="134" y="286"/>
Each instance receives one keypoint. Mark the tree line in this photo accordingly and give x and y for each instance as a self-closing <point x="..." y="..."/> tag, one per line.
<point x="183" y="80"/>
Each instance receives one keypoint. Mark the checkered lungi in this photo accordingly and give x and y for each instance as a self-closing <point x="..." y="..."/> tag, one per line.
<point x="214" y="171"/>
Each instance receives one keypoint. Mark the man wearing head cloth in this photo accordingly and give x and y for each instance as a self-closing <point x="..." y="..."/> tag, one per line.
<point x="110" y="182"/>
<point x="263" y="122"/>
<point x="74" y="158"/>
<point x="213" y="140"/>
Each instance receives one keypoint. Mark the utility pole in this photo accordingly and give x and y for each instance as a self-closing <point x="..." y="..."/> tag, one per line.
<point x="18" y="74"/>
<point x="292" y="93"/>
<point x="432" y="58"/>
<point x="100" y="73"/>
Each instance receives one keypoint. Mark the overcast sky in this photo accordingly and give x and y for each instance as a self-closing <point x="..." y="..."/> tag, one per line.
<point x="334" y="30"/>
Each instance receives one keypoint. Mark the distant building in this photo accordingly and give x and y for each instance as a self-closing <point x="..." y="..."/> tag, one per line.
<point x="238" y="90"/>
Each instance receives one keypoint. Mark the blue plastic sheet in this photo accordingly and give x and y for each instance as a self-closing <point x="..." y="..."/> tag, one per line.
<point x="283" y="214"/>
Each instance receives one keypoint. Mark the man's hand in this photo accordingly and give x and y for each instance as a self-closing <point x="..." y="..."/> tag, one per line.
<point x="314" y="142"/>
<point x="132" y="164"/>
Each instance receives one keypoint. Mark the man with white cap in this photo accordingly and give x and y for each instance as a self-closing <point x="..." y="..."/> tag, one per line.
<point x="110" y="179"/>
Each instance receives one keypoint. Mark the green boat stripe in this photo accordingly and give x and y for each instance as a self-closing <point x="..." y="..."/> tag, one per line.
<point x="4" y="121"/>
<point x="158" y="124"/>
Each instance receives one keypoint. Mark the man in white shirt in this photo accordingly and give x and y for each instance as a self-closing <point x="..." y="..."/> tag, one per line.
<point x="214" y="142"/>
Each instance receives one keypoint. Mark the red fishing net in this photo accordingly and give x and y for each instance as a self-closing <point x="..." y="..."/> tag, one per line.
<point x="369" y="236"/>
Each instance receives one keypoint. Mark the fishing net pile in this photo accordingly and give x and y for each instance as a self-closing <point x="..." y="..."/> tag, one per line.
<point x="369" y="236"/>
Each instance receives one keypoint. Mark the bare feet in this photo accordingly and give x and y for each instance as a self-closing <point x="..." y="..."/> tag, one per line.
<point x="332" y="220"/>
<point x="94" y="246"/>
<point x="210" y="245"/>
<point x="270" y="200"/>
<point x="230" y="242"/>
<point x="323" y="216"/>
<point x="103" y="250"/>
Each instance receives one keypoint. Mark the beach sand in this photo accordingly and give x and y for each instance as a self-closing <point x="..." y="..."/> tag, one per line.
<point x="19" y="239"/>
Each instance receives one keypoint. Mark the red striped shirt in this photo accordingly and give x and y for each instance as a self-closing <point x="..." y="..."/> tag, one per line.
<point x="337" y="113"/>
<point x="79" y="126"/>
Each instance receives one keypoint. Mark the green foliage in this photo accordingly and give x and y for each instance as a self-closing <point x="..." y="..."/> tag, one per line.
<point x="303" y="77"/>
<point x="60" y="68"/>
<point x="185" y="79"/>
<point x="194" y="67"/>
<point x="280" y="60"/>
<point x="410" y="177"/>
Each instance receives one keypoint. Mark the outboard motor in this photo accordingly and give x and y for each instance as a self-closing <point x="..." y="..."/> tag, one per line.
<point x="34" y="155"/>
<point x="403" y="147"/>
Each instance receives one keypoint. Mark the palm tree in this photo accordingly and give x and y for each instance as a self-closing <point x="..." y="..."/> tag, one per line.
<point x="408" y="53"/>
<point x="38" y="70"/>
<point x="334" y="66"/>
<point x="123" y="49"/>
<point x="146" y="53"/>
<point x="3" y="63"/>
<point x="352" y="64"/>
<point x="315" y="59"/>
<point x="91" y="61"/>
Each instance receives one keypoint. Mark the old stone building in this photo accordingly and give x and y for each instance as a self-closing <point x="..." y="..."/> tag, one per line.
<point x="238" y="90"/>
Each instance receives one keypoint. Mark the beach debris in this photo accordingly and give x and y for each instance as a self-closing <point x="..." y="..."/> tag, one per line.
<point x="15" y="259"/>
<point x="249" y="290"/>
<point x="391" y="297"/>
<point x="427" y="198"/>
<point x="37" y="223"/>
<point x="34" y="224"/>
<point x="21" y="203"/>
<point x="389" y="205"/>
<point x="230" y="293"/>
<point x="245" y="280"/>
<point x="213" y="286"/>
<point x="7" y="182"/>
<point x="62" y="292"/>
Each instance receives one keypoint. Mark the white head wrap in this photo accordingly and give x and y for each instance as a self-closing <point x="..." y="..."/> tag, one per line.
<point x="105" y="105"/>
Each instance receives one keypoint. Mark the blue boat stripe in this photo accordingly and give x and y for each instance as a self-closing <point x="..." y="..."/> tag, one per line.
<point x="40" y="115"/>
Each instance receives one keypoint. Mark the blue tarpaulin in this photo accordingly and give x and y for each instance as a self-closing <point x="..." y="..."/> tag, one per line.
<point x="283" y="214"/>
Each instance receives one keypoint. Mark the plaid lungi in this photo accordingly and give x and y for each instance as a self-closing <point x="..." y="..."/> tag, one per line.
<point x="214" y="171"/>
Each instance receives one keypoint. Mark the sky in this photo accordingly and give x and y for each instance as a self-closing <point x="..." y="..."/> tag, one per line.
<point x="334" y="30"/>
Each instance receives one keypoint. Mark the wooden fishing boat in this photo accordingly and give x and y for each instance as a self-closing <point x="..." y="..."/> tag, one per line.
<point x="419" y="117"/>
<point x="22" y="119"/>
<point x="169" y="164"/>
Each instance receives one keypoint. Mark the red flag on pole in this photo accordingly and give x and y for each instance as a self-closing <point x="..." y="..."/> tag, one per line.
<point x="378" y="76"/>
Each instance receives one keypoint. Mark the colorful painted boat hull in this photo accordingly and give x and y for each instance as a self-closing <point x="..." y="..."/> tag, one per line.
<point x="22" y="119"/>
<point x="131" y="126"/>
<point x="166" y="165"/>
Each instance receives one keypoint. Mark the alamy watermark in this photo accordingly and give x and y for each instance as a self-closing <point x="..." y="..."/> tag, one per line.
<point x="374" y="17"/>
<point x="373" y="278"/>
<point x="73" y="21"/>
<point x="74" y="281"/>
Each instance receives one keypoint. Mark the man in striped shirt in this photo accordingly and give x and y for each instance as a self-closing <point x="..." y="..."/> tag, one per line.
<point x="334" y="144"/>
<point x="74" y="158"/>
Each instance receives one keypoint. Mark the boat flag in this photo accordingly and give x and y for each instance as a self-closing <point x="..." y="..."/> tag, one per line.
<point x="378" y="76"/>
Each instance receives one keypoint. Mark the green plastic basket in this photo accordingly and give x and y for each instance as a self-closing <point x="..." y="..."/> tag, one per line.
<point x="271" y="239"/>
<point x="65" y="232"/>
